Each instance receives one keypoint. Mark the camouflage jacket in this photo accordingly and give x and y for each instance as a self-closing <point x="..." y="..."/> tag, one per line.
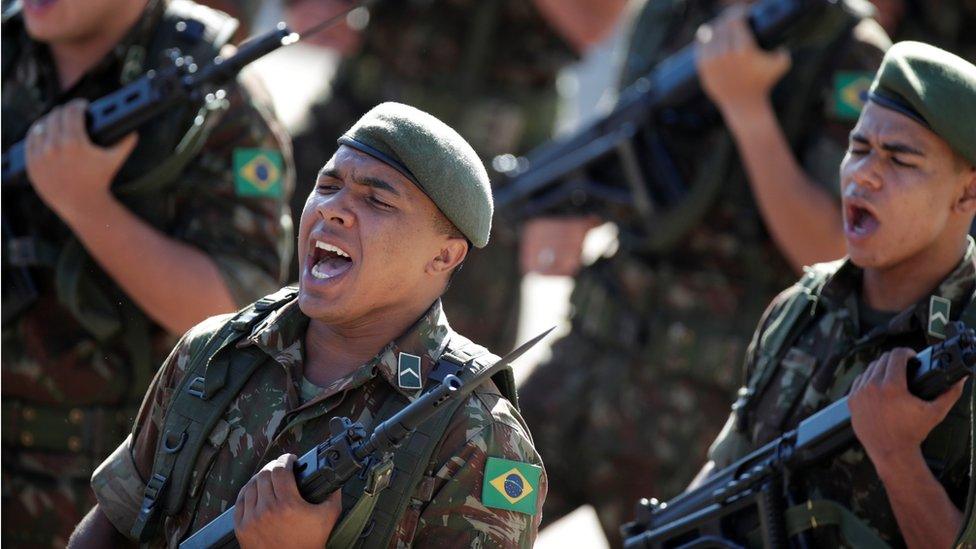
<point x="84" y="342"/>
<point x="819" y="366"/>
<point x="270" y="417"/>
<point x="673" y="295"/>
<point x="487" y="68"/>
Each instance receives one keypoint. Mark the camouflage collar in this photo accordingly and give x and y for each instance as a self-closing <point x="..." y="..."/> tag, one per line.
<point x="842" y="287"/>
<point x="282" y="337"/>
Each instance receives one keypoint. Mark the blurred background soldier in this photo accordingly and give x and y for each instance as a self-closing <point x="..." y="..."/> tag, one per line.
<point x="123" y="245"/>
<point x="948" y="24"/>
<point x="486" y="68"/>
<point x="659" y="328"/>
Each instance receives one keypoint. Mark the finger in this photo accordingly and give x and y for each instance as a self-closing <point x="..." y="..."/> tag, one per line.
<point x="264" y="492"/>
<point x="246" y="499"/>
<point x="35" y="142"/>
<point x="740" y="37"/>
<point x="876" y="371"/>
<point x="940" y="407"/>
<point x="331" y="508"/>
<point x="284" y="483"/>
<point x="52" y="129"/>
<point x="783" y="59"/>
<point x="124" y="147"/>
<point x="896" y="372"/>
<point x="74" y="123"/>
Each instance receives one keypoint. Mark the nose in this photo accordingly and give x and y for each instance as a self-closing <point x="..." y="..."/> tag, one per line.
<point x="335" y="209"/>
<point x="866" y="171"/>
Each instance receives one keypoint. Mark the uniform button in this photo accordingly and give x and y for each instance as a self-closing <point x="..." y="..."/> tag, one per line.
<point x="74" y="444"/>
<point x="30" y="414"/>
<point x="75" y="416"/>
<point x="27" y="438"/>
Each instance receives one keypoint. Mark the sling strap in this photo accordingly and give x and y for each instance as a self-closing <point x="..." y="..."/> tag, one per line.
<point x="210" y="384"/>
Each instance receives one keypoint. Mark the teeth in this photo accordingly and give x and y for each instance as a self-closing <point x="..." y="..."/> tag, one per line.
<point x="330" y="248"/>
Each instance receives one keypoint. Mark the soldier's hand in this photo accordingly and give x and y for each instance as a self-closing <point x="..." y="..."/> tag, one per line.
<point x="734" y="71"/>
<point x="889" y="421"/>
<point x="69" y="172"/>
<point x="270" y="512"/>
<point x="553" y="245"/>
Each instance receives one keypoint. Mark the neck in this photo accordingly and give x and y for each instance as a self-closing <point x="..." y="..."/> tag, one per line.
<point x="76" y="56"/>
<point x="336" y="350"/>
<point x="896" y="288"/>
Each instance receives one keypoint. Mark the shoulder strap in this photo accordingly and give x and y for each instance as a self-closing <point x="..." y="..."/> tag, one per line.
<point x="794" y="317"/>
<point x="211" y="382"/>
<point x="410" y="463"/>
<point x="967" y="538"/>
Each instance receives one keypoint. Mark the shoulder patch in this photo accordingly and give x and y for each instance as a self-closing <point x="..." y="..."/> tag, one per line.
<point x="258" y="173"/>
<point x="509" y="484"/>
<point x="850" y="93"/>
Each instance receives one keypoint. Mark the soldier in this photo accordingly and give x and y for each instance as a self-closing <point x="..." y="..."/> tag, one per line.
<point x="909" y="196"/>
<point x="658" y="326"/>
<point x="487" y="68"/>
<point x="124" y="244"/>
<point x="391" y="218"/>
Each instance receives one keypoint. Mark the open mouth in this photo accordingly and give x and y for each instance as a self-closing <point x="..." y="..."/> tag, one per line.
<point x="859" y="221"/>
<point x="328" y="261"/>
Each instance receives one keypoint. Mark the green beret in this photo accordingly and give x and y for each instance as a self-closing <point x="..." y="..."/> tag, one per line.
<point x="934" y="87"/>
<point x="435" y="157"/>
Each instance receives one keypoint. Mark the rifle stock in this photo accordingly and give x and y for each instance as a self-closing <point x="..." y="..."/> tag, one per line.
<point x="738" y="499"/>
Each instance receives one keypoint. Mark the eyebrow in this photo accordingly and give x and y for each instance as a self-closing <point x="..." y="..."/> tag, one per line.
<point x="369" y="181"/>
<point x="893" y="146"/>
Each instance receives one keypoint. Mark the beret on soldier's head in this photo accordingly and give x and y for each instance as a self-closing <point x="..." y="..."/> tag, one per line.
<point x="935" y="88"/>
<point x="435" y="157"/>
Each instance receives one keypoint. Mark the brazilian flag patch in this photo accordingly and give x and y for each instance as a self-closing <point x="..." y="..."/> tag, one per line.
<point x="851" y="93"/>
<point x="258" y="173"/>
<point x="511" y="485"/>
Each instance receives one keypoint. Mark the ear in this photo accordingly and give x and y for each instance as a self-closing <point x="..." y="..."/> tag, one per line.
<point x="967" y="200"/>
<point x="452" y="253"/>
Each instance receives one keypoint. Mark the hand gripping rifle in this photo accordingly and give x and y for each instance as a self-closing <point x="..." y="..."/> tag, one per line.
<point x="584" y="171"/>
<point x="112" y="117"/>
<point x="750" y="492"/>
<point x="349" y="451"/>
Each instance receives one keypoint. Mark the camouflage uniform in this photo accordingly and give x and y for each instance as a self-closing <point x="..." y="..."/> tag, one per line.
<point x="947" y="24"/>
<point x="486" y="68"/>
<point x="279" y="411"/>
<point x="658" y="327"/>
<point x="78" y="360"/>
<point x="818" y="366"/>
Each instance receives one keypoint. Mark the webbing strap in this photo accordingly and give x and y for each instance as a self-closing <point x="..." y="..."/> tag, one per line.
<point x="820" y="513"/>
<point x="348" y="531"/>
<point x="410" y="465"/>
<point x="198" y="403"/>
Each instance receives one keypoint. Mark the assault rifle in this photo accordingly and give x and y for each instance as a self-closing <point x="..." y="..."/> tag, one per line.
<point x="110" y="118"/>
<point x="751" y="493"/>
<point x="619" y="165"/>
<point x="348" y="452"/>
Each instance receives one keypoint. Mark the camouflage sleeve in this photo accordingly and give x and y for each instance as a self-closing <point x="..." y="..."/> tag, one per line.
<point x="119" y="482"/>
<point x="458" y="514"/>
<point x="731" y="444"/>
<point x="843" y="96"/>
<point x="234" y="197"/>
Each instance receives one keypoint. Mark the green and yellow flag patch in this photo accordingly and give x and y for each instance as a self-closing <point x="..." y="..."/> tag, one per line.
<point x="511" y="485"/>
<point x="258" y="173"/>
<point x="851" y="93"/>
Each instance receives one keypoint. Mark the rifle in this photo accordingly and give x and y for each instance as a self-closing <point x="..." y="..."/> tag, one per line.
<point x="751" y="492"/>
<point x="348" y="451"/>
<point x="111" y="117"/>
<point x="584" y="171"/>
